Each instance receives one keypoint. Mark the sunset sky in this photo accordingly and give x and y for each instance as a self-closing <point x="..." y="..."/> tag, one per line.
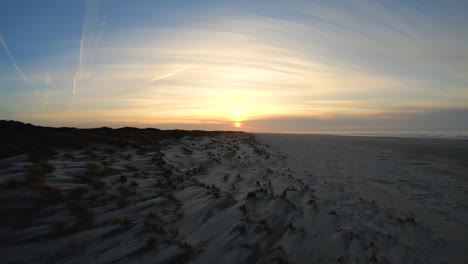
<point x="271" y="66"/>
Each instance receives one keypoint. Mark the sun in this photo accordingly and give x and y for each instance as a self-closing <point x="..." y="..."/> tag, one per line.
<point x="238" y="113"/>
<point x="237" y="116"/>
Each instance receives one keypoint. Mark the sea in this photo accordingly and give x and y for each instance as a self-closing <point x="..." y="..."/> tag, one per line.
<point x="400" y="134"/>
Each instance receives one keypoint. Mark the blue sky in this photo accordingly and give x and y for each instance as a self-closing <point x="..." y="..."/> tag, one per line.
<point x="273" y="66"/>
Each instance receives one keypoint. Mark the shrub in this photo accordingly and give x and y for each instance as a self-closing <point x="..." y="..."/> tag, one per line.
<point x="122" y="202"/>
<point x="150" y="244"/>
<point x="186" y="151"/>
<point x="93" y="173"/>
<point x="125" y="222"/>
<point x="123" y="178"/>
<point x="77" y="193"/>
<point x="69" y="156"/>
<point x="311" y="201"/>
<point x="92" y="180"/>
<point x="84" y="216"/>
<point x="151" y="215"/>
<point x="251" y="195"/>
<point x="124" y="188"/>
<point x="291" y="226"/>
<point x="40" y="169"/>
<point x="141" y="151"/>
<point x="134" y="184"/>
<point x="41" y="154"/>
<point x="4" y="165"/>
<point x="99" y="170"/>
<point x="167" y="172"/>
<point x="91" y="153"/>
<point x="12" y="184"/>
<point x="131" y="168"/>
<point x="47" y="191"/>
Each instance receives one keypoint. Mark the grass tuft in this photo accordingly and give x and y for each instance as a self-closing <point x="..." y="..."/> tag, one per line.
<point x="251" y="195"/>
<point x="12" y="184"/>
<point x="122" y="202"/>
<point x="93" y="173"/>
<point x="47" y="191"/>
<point x="40" y="169"/>
<point x="123" y="178"/>
<point x="92" y="180"/>
<point x="134" y="184"/>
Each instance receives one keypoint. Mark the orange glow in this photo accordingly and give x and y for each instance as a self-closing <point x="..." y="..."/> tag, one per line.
<point x="237" y="124"/>
<point x="238" y="114"/>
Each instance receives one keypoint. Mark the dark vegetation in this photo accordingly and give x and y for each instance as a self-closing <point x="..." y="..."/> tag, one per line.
<point x="18" y="138"/>
<point x="93" y="174"/>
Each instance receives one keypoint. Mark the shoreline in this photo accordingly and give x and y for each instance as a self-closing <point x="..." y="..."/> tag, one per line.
<point x="409" y="135"/>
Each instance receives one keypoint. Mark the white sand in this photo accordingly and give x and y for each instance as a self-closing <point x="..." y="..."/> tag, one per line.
<point x="313" y="199"/>
<point x="375" y="183"/>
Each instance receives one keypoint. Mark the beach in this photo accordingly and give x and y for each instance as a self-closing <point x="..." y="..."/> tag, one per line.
<point x="409" y="193"/>
<point x="219" y="197"/>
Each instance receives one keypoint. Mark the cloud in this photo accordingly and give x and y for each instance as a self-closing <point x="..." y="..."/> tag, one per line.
<point x="41" y="97"/>
<point x="12" y="59"/>
<point x="167" y="75"/>
<point x="89" y="39"/>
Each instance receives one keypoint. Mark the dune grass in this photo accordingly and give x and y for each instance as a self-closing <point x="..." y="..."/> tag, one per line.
<point x="93" y="174"/>
<point x="92" y="180"/>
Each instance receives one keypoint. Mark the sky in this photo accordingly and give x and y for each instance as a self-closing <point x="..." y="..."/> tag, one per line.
<point x="260" y="66"/>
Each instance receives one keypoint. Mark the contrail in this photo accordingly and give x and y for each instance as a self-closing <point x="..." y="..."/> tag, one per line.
<point x="167" y="75"/>
<point x="11" y="58"/>
<point x="75" y="79"/>
<point x="43" y="100"/>
<point x="89" y="23"/>
<point x="78" y="74"/>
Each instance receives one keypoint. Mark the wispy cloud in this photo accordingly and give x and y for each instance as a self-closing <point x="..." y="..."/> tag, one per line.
<point x="41" y="97"/>
<point x="168" y="74"/>
<point x="12" y="59"/>
<point x="89" y="39"/>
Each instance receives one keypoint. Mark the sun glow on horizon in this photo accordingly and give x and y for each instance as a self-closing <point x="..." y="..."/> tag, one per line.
<point x="238" y="114"/>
